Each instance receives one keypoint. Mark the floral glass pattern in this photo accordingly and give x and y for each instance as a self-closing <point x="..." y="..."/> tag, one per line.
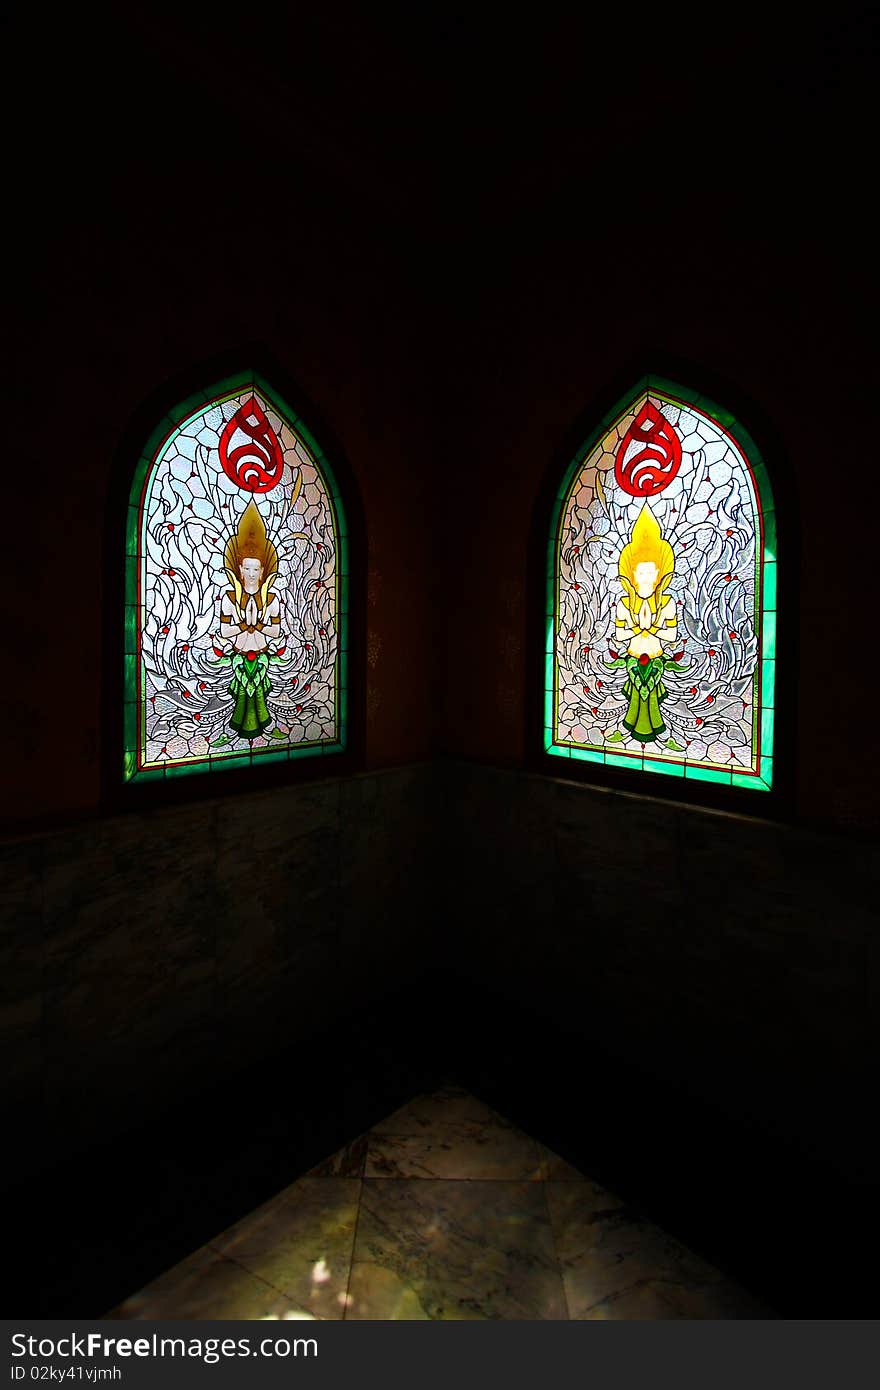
<point x="661" y="601"/>
<point x="236" y="590"/>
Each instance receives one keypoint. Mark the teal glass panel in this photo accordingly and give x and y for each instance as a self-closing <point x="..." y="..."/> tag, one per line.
<point x="233" y="761"/>
<point x="615" y="760"/>
<point x="129" y="764"/>
<point x="587" y="755"/>
<point x="132" y="524"/>
<point x="131" y="581"/>
<point x="130" y="676"/>
<point x="557" y="750"/>
<point x="753" y="783"/>
<point x="129" y="722"/>
<point x="769" y="642"/>
<point x="131" y="630"/>
<point x="707" y="774"/>
<point x="770" y="585"/>
<point x="766" y="770"/>
<point x="768" y="684"/>
<point x="766" y="733"/>
<point x="185" y="770"/>
<point x="769" y="536"/>
<point x="665" y="769"/>
<point x="280" y="755"/>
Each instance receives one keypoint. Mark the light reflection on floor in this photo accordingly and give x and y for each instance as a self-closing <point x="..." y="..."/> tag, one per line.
<point x="444" y="1210"/>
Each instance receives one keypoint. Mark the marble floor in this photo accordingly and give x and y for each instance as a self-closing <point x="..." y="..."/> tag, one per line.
<point x="443" y="1210"/>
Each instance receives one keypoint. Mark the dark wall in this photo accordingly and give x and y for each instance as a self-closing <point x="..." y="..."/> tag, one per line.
<point x="159" y="233"/>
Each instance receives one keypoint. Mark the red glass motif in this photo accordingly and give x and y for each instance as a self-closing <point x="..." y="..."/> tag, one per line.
<point x="255" y="466"/>
<point x="653" y="468"/>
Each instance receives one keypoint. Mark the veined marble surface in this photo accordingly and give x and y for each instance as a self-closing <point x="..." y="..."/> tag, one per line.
<point x="443" y="1210"/>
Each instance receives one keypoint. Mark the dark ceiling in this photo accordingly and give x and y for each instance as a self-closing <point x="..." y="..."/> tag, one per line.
<point x="446" y="134"/>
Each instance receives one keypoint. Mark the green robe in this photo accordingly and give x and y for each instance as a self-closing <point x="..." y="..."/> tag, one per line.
<point x="645" y="691"/>
<point x="249" y="686"/>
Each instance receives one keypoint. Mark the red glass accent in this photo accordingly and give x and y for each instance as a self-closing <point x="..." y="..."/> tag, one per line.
<point x="699" y="721"/>
<point x="693" y="690"/>
<point x="711" y="651"/>
<point x="306" y="689"/>
<point x="732" y="636"/>
<point x="676" y="656"/>
<point x="299" y="709"/>
<point x="254" y="466"/>
<point x="295" y="680"/>
<point x="171" y="572"/>
<point x="185" y="647"/>
<point x="202" y="684"/>
<point x="586" y="690"/>
<point x="251" y="656"/>
<point x="171" y="526"/>
<point x="186" y="695"/>
<point x="218" y="651"/>
<point x="166" y="629"/>
<point x="197" y="715"/>
<point x="613" y="655"/>
<point x="572" y="633"/>
<point x="281" y="651"/>
<point x="710" y="699"/>
<point x="643" y="659"/>
<point x="653" y="468"/>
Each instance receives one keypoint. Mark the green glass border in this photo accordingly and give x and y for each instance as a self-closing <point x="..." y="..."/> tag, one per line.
<point x="766" y="665"/>
<point x="159" y="439"/>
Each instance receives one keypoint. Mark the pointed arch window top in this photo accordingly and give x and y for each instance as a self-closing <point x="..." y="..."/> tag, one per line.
<point x="236" y="590"/>
<point x="661" y="604"/>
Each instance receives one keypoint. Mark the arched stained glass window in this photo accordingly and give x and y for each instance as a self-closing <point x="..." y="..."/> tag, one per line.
<point x="661" y="598"/>
<point x="236" y="590"/>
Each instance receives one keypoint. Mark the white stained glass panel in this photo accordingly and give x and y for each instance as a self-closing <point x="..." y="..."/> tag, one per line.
<point x="252" y="671"/>
<point x="704" y="628"/>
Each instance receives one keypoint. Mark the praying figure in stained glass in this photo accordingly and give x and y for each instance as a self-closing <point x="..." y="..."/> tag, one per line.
<point x="250" y="621"/>
<point x="645" y="620"/>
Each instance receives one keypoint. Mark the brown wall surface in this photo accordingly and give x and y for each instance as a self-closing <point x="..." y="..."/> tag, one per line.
<point x="766" y="312"/>
<point x="147" y="250"/>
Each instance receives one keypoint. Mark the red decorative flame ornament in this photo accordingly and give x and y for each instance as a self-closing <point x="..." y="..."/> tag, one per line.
<point x="256" y="464"/>
<point x="648" y="471"/>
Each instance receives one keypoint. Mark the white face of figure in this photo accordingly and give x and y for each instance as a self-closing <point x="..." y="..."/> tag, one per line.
<point x="251" y="575"/>
<point x="646" y="576"/>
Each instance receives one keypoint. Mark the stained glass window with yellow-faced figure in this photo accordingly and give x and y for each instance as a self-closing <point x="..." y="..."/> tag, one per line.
<point x="661" y="596"/>
<point x="236" y="590"/>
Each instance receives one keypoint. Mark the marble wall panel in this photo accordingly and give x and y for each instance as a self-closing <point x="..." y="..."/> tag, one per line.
<point x="148" y="956"/>
<point x="21" y="985"/>
<point x="732" y="954"/>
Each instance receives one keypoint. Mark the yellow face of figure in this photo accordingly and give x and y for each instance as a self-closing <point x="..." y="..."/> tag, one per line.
<point x="251" y="575"/>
